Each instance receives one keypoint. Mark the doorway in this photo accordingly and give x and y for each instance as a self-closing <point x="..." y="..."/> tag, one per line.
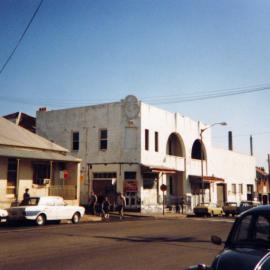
<point x="221" y="194"/>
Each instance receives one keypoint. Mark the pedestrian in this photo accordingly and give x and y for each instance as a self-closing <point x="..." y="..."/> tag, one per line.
<point x="182" y="204"/>
<point x="100" y="199"/>
<point x="121" y="204"/>
<point x="106" y="209"/>
<point x="93" y="203"/>
<point x="26" y="196"/>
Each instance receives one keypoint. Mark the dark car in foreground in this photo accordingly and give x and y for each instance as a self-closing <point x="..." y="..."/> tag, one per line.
<point x="248" y="244"/>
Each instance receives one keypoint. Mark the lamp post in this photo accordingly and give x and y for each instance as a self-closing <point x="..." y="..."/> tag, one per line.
<point x="202" y="154"/>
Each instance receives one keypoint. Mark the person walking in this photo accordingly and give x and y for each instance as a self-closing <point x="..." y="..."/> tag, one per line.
<point x="121" y="204"/>
<point x="106" y="209"/>
<point x="93" y="203"/>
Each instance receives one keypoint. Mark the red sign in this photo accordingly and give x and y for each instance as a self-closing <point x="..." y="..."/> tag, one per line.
<point x="66" y="175"/>
<point x="130" y="186"/>
<point x="163" y="187"/>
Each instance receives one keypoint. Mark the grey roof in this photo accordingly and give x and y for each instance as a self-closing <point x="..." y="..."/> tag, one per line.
<point x="18" y="142"/>
<point x="13" y="135"/>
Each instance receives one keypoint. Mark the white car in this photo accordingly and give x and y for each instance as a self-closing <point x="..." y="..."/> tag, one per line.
<point x="3" y="215"/>
<point x="47" y="208"/>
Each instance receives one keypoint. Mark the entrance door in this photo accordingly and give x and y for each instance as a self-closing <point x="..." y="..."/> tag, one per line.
<point x="12" y="176"/>
<point x="131" y="200"/>
<point x="220" y="194"/>
<point x="105" y="188"/>
<point x="249" y="192"/>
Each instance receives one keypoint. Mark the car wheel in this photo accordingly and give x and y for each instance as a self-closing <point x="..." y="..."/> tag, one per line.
<point x="76" y="218"/>
<point x="40" y="220"/>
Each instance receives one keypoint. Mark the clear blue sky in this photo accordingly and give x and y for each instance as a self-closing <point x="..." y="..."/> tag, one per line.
<point x="82" y="52"/>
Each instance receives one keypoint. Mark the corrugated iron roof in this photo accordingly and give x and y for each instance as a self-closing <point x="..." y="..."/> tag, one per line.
<point x="17" y="152"/>
<point x="13" y="135"/>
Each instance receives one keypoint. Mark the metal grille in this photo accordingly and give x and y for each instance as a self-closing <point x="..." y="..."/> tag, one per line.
<point x="68" y="192"/>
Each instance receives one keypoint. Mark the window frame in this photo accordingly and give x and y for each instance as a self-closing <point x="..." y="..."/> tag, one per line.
<point x="37" y="179"/>
<point x="103" y="139"/>
<point x="75" y="141"/>
<point x="146" y="139"/>
<point x="156" y="141"/>
<point x="234" y="191"/>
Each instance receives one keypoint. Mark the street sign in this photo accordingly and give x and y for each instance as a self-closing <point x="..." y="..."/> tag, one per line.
<point x="163" y="187"/>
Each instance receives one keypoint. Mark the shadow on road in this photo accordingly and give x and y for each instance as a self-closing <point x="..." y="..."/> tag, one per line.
<point x="179" y="241"/>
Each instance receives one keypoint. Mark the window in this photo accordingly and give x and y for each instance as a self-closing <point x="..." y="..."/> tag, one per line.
<point x="233" y="188"/>
<point x="12" y="170"/>
<point x="156" y="141"/>
<point x="103" y="139"/>
<point x="130" y="175"/>
<point x="241" y="188"/>
<point x="41" y="171"/>
<point x="75" y="141"/>
<point x="243" y="230"/>
<point x="262" y="229"/>
<point x="104" y="175"/>
<point x="149" y="180"/>
<point x="146" y="139"/>
<point x="11" y="176"/>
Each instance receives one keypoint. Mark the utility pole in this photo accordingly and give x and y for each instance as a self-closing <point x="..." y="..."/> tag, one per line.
<point x="269" y="168"/>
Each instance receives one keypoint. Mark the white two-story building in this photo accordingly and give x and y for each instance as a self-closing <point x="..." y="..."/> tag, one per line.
<point x="134" y="148"/>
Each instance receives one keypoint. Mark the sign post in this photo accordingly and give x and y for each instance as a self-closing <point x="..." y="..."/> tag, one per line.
<point x="163" y="188"/>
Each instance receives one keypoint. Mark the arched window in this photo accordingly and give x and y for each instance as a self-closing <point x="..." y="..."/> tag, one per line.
<point x="175" y="146"/>
<point x="198" y="150"/>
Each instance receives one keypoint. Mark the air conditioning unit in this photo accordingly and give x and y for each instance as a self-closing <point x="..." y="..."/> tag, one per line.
<point x="46" y="181"/>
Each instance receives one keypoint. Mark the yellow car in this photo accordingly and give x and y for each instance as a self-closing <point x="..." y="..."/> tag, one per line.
<point x="208" y="209"/>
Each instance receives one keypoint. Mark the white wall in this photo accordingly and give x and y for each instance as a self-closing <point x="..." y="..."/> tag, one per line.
<point x="235" y="168"/>
<point x="123" y="136"/>
<point x="126" y="142"/>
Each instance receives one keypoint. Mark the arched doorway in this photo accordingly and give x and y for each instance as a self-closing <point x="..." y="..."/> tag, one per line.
<point x="175" y="182"/>
<point x="198" y="150"/>
<point x="175" y="146"/>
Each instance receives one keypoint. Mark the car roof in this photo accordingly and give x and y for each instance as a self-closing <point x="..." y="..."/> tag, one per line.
<point x="257" y="210"/>
<point x="45" y="197"/>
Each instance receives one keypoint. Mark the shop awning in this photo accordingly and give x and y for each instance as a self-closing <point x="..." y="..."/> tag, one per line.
<point x="157" y="169"/>
<point x="206" y="179"/>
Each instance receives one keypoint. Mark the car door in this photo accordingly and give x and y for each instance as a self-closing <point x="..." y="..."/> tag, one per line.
<point x="64" y="211"/>
<point x="48" y="206"/>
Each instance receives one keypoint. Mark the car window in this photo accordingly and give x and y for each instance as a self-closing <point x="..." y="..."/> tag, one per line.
<point x="262" y="229"/>
<point x="252" y="230"/>
<point x="243" y="230"/>
<point x="30" y="201"/>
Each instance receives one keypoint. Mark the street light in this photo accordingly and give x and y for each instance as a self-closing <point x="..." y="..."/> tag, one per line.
<point x="202" y="156"/>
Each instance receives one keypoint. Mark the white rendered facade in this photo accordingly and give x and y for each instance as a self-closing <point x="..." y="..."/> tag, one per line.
<point x="139" y="172"/>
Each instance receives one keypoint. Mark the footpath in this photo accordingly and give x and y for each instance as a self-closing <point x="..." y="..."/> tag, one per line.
<point x="134" y="216"/>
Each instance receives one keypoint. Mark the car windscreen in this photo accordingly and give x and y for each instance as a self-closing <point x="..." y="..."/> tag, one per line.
<point x="30" y="202"/>
<point x="252" y="231"/>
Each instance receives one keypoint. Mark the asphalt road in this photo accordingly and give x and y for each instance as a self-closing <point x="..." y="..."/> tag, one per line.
<point x="134" y="244"/>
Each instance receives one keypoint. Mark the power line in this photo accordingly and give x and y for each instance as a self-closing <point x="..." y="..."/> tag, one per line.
<point x="209" y="95"/>
<point x="166" y="99"/>
<point x="21" y="37"/>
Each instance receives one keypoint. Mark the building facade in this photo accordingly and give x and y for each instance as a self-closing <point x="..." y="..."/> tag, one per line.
<point x="263" y="185"/>
<point x="134" y="148"/>
<point x="30" y="161"/>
